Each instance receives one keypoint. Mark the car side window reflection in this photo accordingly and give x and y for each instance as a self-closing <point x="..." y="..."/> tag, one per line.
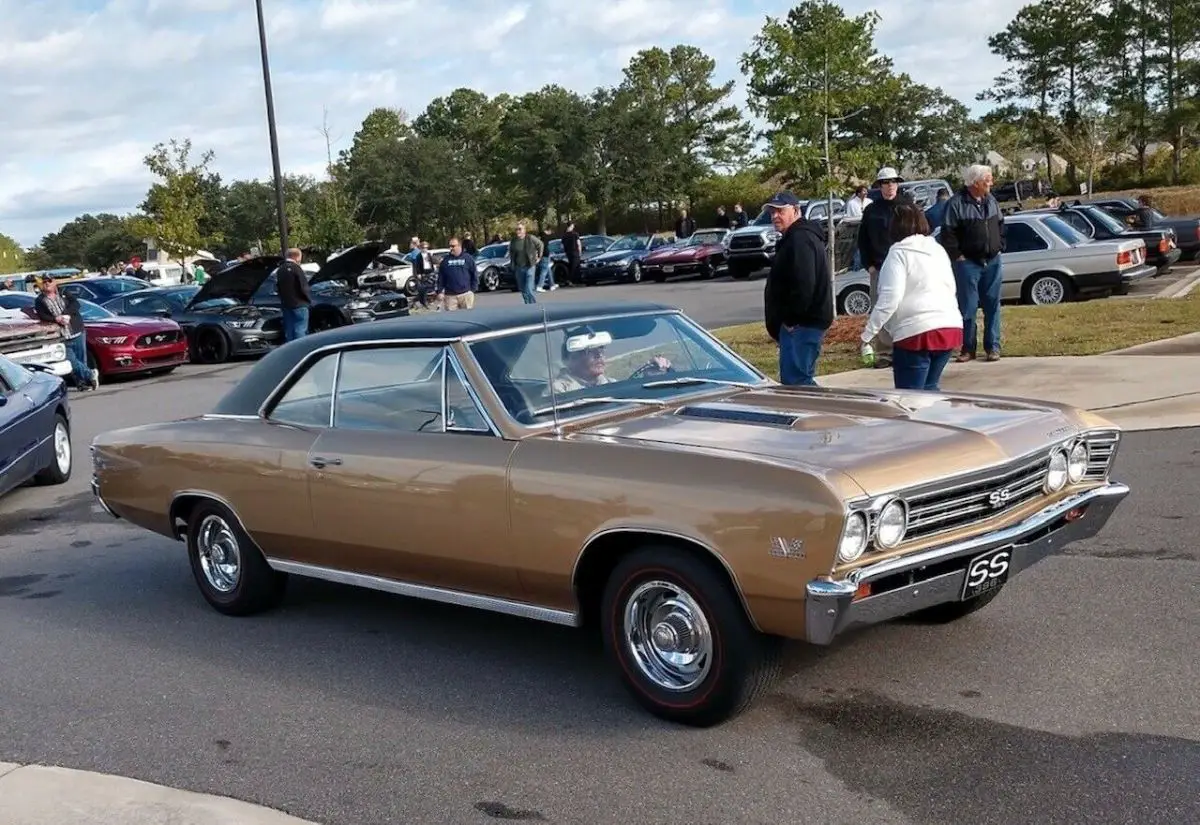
<point x="307" y="402"/>
<point x="393" y="389"/>
<point x="14" y="375"/>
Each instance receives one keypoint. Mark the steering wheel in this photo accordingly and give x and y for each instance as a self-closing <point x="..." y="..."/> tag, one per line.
<point x="650" y="367"/>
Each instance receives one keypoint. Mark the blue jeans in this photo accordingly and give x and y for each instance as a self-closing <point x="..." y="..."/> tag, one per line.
<point x="918" y="369"/>
<point x="77" y="355"/>
<point x="545" y="273"/>
<point x="524" y="277"/>
<point x="979" y="286"/>
<point x="799" y="349"/>
<point x="295" y="323"/>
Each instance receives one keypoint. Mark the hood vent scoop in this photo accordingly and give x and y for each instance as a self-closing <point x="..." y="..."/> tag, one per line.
<point x="743" y="415"/>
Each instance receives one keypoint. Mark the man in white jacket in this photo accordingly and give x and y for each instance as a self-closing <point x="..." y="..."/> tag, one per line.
<point x="917" y="304"/>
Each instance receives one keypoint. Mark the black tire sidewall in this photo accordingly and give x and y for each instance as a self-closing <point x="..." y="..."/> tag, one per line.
<point x="256" y="583"/>
<point x="735" y="643"/>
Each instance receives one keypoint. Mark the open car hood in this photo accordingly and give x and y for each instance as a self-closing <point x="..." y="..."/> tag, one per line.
<point x="350" y="264"/>
<point x="239" y="280"/>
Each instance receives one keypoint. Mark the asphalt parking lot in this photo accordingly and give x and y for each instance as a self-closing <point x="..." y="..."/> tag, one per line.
<point x="1070" y="699"/>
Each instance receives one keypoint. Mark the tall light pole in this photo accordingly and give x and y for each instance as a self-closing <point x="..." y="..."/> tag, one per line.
<point x="279" y="202"/>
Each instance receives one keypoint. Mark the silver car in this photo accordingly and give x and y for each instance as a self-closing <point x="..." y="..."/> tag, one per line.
<point x="1045" y="261"/>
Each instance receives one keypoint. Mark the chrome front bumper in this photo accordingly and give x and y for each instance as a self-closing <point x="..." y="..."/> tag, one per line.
<point x="100" y="499"/>
<point x="830" y="606"/>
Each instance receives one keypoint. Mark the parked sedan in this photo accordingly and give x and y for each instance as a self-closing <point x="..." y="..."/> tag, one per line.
<point x="701" y="254"/>
<point x="35" y="427"/>
<point x="99" y="290"/>
<point x="1129" y="211"/>
<point x="687" y="507"/>
<point x="1100" y="225"/>
<point x="120" y="346"/>
<point x="217" y="328"/>
<point x="493" y="267"/>
<point x="623" y="260"/>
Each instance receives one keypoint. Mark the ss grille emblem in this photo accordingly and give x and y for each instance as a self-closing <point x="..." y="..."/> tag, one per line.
<point x="1000" y="497"/>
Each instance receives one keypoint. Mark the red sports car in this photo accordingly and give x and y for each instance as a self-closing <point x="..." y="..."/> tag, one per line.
<point x="118" y="344"/>
<point x="703" y="254"/>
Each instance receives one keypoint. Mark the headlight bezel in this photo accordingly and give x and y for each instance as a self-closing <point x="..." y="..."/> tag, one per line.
<point x="877" y="532"/>
<point x="852" y="518"/>
<point x="1082" y="463"/>
<point x="1057" y="455"/>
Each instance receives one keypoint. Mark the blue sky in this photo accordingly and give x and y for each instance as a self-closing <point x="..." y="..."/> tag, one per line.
<point x="89" y="86"/>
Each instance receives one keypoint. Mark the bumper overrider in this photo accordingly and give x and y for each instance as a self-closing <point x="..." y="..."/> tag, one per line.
<point x="904" y="585"/>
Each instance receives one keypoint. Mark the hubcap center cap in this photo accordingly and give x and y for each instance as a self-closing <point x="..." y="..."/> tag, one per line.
<point x="673" y="634"/>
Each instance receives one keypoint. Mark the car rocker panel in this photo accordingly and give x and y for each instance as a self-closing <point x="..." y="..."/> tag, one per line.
<point x="695" y="509"/>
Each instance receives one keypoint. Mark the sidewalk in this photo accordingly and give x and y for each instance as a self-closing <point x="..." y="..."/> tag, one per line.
<point x="1134" y="391"/>
<point x="39" y="795"/>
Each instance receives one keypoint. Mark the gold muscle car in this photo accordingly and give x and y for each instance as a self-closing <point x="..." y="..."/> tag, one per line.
<point x="611" y="465"/>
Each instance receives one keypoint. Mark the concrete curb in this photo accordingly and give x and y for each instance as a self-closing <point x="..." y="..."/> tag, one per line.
<point x="45" y="795"/>
<point x="1181" y="287"/>
<point x="1188" y="344"/>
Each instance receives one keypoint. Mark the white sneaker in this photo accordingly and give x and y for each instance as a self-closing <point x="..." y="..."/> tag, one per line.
<point x="553" y="287"/>
<point x="541" y="289"/>
<point x="95" y="379"/>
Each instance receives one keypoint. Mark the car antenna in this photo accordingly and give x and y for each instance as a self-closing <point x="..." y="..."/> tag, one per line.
<point x="550" y="369"/>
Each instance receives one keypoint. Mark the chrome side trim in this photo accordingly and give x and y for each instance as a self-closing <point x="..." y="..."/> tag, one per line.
<point x="428" y="593"/>
<point x="219" y="500"/>
<point x="456" y="365"/>
<point x="830" y="607"/>
<point x="333" y="388"/>
<point x="100" y="499"/>
<point x="228" y="417"/>
<point x="655" y="531"/>
<point x="539" y="326"/>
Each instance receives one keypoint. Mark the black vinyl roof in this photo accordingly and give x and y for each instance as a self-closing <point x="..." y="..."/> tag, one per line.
<point x="257" y="385"/>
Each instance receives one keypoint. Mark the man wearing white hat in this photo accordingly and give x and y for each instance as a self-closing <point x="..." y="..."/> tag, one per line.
<point x="874" y="241"/>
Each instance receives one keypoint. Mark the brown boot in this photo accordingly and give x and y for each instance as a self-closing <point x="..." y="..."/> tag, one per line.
<point x="964" y="357"/>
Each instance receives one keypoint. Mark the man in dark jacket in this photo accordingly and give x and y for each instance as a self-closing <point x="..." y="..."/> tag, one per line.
<point x="875" y="241"/>
<point x="294" y="297"/>
<point x="52" y="308"/>
<point x="798" y="298"/>
<point x="973" y="235"/>
<point x="457" y="279"/>
<point x="685" y="227"/>
<point x="523" y="256"/>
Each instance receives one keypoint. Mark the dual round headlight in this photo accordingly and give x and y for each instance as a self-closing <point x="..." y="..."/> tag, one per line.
<point x="1067" y="466"/>
<point x="890" y="526"/>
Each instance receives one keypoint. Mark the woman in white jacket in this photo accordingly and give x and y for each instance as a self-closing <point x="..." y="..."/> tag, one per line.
<point x="916" y="304"/>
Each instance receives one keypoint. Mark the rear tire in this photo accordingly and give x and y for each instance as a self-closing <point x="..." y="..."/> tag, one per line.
<point x="59" y="471"/>
<point x="231" y="573"/>
<point x="681" y="641"/>
<point x="1047" y="289"/>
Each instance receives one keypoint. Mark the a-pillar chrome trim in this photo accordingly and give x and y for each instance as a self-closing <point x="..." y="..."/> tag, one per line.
<point x="434" y="594"/>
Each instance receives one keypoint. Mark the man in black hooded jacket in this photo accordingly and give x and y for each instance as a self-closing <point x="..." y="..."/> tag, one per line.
<point x="798" y="297"/>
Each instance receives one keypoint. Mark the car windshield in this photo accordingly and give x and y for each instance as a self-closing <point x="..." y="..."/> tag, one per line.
<point x="1064" y="230"/>
<point x="702" y="238"/>
<point x="93" y="312"/>
<point x="117" y="286"/>
<point x="495" y="251"/>
<point x="555" y="247"/>
<point x="1106" y="220"/>
<point x="630" y="242"/>
<point x="184" y="294"/>
<point x="763" y="219"/>
<point x="604" y="363"/>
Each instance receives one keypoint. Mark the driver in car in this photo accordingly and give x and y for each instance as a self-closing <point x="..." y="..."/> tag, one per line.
<point x="585" y="368"/>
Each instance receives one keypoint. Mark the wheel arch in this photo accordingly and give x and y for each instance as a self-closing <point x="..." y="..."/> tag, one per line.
<point x="1064" y="274"/>
<point x="184" y="503"/>
<point x="605" y="549"/>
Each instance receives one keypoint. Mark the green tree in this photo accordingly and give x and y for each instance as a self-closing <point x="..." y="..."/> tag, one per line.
<point x="1125" y="56"/>
<point x="77" y="244"/>
<point x="699" y="128"/>
<point x="1178" y="32"/>
<point x="177" y="205"/>
<point x="12" y="256"/>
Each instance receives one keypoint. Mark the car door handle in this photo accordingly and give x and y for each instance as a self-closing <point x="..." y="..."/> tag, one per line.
<point x="320" y="461"/>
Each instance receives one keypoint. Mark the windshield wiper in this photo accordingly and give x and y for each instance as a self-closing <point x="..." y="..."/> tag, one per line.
<point x="588" y="402"/>
<point x="683" y="382"/>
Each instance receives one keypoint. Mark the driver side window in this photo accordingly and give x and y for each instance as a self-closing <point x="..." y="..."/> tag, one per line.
<point x="147" y="305"/>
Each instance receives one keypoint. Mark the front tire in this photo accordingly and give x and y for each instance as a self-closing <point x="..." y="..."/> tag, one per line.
<point x="681" y="641"/>
<point x="231" y="573"/>
<point x="210" y="346"/>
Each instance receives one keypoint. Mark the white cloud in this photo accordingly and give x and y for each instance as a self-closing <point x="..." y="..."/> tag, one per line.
<point x="89" y="86"/>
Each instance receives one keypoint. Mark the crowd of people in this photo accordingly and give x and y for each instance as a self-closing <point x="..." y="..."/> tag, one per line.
<point x="925" y="292"/>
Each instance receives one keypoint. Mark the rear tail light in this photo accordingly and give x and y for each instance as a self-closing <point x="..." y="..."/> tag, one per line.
<point x="1125" y="258"/>
<point x="1198" y="231"/>
<point x="1164" y="246"/>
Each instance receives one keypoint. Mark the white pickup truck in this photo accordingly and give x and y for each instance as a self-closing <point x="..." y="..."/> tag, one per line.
<point x="26" y="341"/>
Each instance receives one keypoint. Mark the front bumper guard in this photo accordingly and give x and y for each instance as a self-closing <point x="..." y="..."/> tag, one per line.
<point x="830" y="605"/>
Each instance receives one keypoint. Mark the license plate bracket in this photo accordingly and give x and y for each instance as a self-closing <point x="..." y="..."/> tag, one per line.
<point x="669" y="268"/>
<point x="987" y="572"/>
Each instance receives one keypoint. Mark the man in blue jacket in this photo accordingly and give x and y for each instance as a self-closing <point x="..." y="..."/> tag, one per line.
<point x="457" y="278"/>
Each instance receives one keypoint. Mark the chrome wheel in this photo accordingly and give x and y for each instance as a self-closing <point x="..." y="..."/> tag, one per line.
<point x="219" y="554"/>
<point x="62" y="448"/>
<point x="1047" y="291"/>
<point x="857" y="302"/>
<point x="668" y="636"/>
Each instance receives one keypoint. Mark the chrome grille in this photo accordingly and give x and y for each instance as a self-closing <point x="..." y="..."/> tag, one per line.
<point x="1102" y="449"/>
<point x="941" y="510"/>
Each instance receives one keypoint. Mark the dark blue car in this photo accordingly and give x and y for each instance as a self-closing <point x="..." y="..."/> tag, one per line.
<point x="35" y="427"/>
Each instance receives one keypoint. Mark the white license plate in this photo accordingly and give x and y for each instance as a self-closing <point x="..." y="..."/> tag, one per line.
<point x="987" y="572"/>
<point x="668" y="268"/>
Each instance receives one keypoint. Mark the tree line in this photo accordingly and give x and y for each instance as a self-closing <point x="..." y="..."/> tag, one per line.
<point x="1098" y="84"/>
